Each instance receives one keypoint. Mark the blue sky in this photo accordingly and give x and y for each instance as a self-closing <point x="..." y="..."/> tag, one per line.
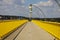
<point x="20" y="8"/>
<point x="27" y="2"/>
<point x="33" y="1"/>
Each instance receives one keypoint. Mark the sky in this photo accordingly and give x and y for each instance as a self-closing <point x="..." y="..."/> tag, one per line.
<point x="21" y="8"/>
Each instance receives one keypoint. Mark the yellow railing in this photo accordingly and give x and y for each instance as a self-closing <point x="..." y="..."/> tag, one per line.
<point x="50" y="28"/>
<point x="6" y="27"/>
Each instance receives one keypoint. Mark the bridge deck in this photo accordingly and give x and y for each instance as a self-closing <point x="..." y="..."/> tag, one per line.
<point x="7" y="27"/>
<point x="35" y="30"/>
<point x="52" y="28"/>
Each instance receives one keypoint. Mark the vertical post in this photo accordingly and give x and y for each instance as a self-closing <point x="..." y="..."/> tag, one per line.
<point x="30" y="16"/>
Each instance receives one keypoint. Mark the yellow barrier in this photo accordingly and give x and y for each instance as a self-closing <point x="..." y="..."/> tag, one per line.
<point x="52" y="29"/>
<point x="6" y="27"/>
<point x="53" y="23"/>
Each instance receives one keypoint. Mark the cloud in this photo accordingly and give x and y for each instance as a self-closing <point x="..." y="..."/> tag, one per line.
<point x="13" y="1"/>
<point x="47" y="3"/>
<point x="9" y="7"/>
<point x="16" y="7"/>
<point x="8" y="1"/>
<point x="59" y="10"/>
<point x="12" y="10"/>
<point x="23" y="1"/>
<point x="50" y="8"/>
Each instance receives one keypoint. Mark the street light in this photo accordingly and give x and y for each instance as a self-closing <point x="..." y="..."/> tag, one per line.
<point x="30" y="10"/>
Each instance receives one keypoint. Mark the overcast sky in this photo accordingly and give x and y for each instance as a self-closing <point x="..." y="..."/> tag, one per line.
<point x="20" y="8"/>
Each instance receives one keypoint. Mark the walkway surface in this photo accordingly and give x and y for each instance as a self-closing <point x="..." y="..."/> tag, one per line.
<point x="33" y="32"/>
<point x="52" y="28"/>
<point x="8" y="26"/>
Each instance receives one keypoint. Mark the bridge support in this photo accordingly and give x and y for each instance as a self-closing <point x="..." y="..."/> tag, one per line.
<point x="30" y="16"/>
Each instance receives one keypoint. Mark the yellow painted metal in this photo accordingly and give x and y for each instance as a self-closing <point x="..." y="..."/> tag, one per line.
<point x="50" y="28"/>
<point x="6" y="27"/>
<point x="53" y="23"/>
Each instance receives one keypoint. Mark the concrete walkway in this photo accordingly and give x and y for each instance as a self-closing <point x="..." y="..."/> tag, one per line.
<point x="33" y="32"/>
<point x="13" y="35"/>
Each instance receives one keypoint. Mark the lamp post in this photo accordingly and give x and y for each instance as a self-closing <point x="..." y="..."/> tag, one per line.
<point x="30" y="10"/>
